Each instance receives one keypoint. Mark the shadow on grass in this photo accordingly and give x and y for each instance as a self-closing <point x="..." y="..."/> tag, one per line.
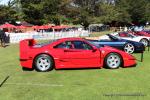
<point x="27" y="69"/>
<point x="4" y="46"/>
<point x="63" y="69"/>
<point x="133" y="66"/>
<point x="77" y="69"/>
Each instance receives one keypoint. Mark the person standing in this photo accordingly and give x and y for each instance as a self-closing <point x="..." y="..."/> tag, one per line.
<point x="125" y="29"/>
<point x="2" y="38"/>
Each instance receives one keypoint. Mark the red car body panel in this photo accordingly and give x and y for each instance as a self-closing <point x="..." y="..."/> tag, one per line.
<point x="141" y="33"/>
<point x="70" y="58"/>
<point x="128" y="60"/>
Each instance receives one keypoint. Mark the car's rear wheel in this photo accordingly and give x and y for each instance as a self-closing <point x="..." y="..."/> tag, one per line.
<point x="43" y="63"/>
<point x="129" y="48"/>
<point x="144" y="41"/>
<point x="113" y="60"/>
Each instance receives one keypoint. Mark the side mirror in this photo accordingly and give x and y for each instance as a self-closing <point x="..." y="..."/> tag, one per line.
<point x="94" y="49"/>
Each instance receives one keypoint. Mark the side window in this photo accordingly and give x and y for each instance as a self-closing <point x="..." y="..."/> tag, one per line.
<point x="81" y="45"/>
<point x="62" y="45"/>
<point x="67" y="45"/>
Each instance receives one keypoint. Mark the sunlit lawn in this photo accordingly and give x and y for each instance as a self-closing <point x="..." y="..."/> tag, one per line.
<point x="87" y="84"/>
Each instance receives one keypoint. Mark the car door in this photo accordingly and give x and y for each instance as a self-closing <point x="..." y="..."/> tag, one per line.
<point x="61" y="58"/>
<point x="83" y="55"/>
<point x="78" y="55"/>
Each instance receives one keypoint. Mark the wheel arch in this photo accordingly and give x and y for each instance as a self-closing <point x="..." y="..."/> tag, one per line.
<point x="145" y="39"/>
<point x="33" y="66"/>
<point x="122" y="61"/>
<point x="130" y="43"/>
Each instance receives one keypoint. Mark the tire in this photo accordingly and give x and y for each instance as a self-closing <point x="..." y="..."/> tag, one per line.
<point x="113" y="61"/>
<point x="144" y="41"/>
<point x="43" y="63"/>
<point x="129" y="48"/>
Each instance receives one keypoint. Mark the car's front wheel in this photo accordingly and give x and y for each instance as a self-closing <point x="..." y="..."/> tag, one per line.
<point x="43" y="63"/>
<point x="113" y="60"/>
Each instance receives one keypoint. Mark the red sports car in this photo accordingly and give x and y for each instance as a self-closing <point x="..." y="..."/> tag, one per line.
<point x="71" y="53"/>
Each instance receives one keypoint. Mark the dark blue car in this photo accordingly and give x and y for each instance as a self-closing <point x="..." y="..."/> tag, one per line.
<point x="122" y="44"/>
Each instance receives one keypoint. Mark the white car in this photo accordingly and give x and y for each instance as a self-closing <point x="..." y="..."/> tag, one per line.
<point x="130" y="36"/>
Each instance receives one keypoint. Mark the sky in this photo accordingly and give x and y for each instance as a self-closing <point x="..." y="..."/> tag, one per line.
<point x="3" y="1"/>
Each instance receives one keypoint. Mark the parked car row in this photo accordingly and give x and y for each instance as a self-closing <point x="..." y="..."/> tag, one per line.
<point x="122" y="44"/>
<point x="131" y="36"/>
<point x="130" y="42"/>
<point x="110" y="51"/>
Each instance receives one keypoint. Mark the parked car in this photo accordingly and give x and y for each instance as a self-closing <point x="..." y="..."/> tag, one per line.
<point x="132" y="37"/>
<point x="142" y="33"/>
<point x="71" y="53"/>
<point x="122" y="44"/>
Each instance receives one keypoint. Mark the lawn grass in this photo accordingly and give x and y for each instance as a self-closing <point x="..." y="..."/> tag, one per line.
<point x="86" y="84"/>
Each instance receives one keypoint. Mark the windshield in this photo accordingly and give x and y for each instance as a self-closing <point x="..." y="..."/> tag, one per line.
<point x="112" y="37"/>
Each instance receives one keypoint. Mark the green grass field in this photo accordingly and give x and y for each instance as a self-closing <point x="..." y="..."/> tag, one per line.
<point x="86" y="84"/>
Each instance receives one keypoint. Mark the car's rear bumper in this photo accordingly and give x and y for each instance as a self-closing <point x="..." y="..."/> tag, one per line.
<point x="26" y="63"/>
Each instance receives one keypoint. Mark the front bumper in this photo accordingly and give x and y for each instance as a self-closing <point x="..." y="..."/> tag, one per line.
<point x="129" y="62"/>
<point x="140" y="49"/>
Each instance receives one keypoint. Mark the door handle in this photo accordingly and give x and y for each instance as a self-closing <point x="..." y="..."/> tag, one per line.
<point x="66" y="50"/>
<point x="70" y="51"/>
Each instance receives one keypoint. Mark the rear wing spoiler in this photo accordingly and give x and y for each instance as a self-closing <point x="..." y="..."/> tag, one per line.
<point x="25" y="46"/>
<point x="27" y="42"/>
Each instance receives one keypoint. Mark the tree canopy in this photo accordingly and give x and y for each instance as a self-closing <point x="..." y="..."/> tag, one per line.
<point x="82" y="12"/>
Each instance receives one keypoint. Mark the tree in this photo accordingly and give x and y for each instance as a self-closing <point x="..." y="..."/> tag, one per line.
<point x="105" y="13"/>
<point x="95" y="11"/>
<point x="147" y="12"/>
<point x="137" y="10"/>
<point x="32" y="10"/>
<point x="41" y="11"/>
<point x="51" y="11"/>
<point x="82" y="12"/>
<point x="7" y="13"/>
<point x="133" y="10"/>
<point x="123" y="7"/>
